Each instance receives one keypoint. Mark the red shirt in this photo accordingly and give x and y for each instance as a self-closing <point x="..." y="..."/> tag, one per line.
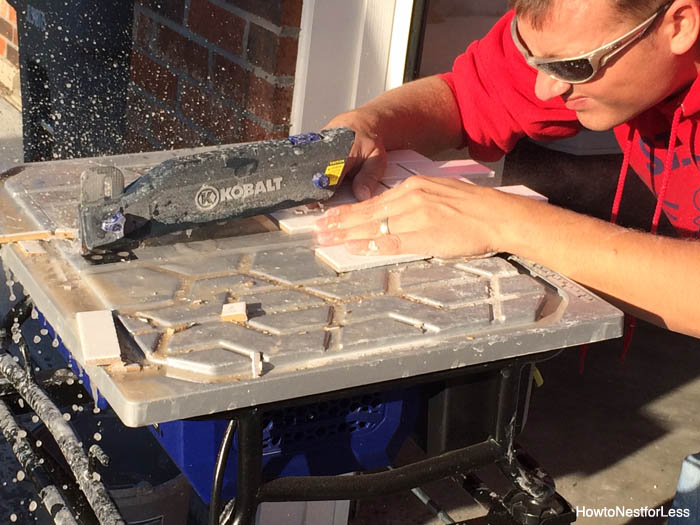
<point x="495" y="90"/>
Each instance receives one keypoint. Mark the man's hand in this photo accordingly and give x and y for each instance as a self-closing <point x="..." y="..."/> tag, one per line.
<point x="421" y="115"/>
<point x="367" y="160"/>
<point x="424" y="215"/>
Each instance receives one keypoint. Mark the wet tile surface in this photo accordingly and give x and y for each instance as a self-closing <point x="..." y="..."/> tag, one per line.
<point x="298" y="309"/>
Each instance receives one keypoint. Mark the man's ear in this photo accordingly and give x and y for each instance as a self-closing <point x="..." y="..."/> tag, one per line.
<point x="684" y="19"/>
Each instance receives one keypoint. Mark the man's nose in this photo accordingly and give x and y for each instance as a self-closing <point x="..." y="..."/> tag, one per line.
<point x="547" y="87"/>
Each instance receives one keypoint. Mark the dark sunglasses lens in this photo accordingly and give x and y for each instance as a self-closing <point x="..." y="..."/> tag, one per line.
<point x="569" y="70"/>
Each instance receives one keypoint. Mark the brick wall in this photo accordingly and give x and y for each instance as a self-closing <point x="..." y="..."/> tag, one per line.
<point x="9" y="57"/>
<point x="211" y="71"/>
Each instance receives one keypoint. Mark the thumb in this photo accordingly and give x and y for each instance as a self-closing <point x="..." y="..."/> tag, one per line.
<point x="367" y="178"/>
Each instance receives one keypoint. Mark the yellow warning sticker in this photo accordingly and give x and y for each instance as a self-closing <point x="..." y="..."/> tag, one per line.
<point x="334" y="170"/>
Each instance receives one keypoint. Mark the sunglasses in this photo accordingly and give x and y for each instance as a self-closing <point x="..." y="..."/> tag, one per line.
<point x="583" y="68"/>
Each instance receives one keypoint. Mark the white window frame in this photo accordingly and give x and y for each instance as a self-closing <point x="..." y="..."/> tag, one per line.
<point x="349" y="52"/>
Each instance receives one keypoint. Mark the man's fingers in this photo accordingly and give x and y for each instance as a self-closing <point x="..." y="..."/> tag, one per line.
<point x="391" y="245"/>
<point x="367" y="179"/>
<point x="370" y="229"/>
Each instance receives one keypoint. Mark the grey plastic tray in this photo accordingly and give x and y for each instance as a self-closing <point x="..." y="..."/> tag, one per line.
<point x="310" y="330"/>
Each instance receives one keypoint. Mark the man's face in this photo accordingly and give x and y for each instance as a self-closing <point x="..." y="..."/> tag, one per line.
<point x="630" y="83"/>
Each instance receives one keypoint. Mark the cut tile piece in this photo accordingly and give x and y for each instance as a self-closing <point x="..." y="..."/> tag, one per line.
<point x="468" y="170"/>
<point x="523" y="191"/>
<point x="404" y="155"/>
<point x="234" y="312"/>
<point x="341" y="260"/>
<point x="98" y="337"/>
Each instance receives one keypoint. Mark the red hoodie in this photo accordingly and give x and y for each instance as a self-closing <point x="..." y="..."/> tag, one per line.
<point x="495" y="90"/>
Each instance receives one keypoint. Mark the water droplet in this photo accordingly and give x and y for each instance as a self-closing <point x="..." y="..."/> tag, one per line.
<point x="37" y="339"/>
<point x="32" y="506"/>
<point x="20" y="475"/>
<point x="13" y="517"/>
<point x="66" y="416"/>
<point x="38" y="443"/>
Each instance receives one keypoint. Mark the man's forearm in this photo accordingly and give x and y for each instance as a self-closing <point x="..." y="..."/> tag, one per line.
<point x="421" y="115"/>
<point x="655" y="278"/>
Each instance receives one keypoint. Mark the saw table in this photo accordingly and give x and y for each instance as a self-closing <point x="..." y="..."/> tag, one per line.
<point x="311" y="335"/>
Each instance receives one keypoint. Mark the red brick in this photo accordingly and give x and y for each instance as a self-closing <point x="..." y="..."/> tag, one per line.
<point x="253" y="131"/>
<point x="217" y="25"/>
<point x="211" y="113"/>
<point x="15" y="39"/>
<point x="277" y="55"/>
<point x="271" y="103"/>
<point x="182" y="53"/>
<point x="2" y="47"/>
<point x="231" y="80"/>
<point x="287" y="55"/>
<point x="172" y="9"/>
<point x="135" y="142"/>
<point x="143" y="30"/>
<point x="291" y="13"/>
<point x="138" y="110"/>
<point x="4" y="9"/>
<point x="6" y="29"/>
<point x="12" y="55"/>
<point x="154" y="78"/>
<point x="279" y="12"/>
<point x="172" y="133"/>
<point x="12" y="15"/>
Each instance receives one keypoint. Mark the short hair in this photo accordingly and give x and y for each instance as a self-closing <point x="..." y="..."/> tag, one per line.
<point x="536" y="11"/>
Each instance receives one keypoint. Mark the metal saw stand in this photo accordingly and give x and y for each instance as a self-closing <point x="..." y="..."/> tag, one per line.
<point x="46" y="392"/>
<point x="533" y="499"/>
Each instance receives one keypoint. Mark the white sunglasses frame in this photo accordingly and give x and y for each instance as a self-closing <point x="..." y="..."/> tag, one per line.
<point x="598" y="58"/>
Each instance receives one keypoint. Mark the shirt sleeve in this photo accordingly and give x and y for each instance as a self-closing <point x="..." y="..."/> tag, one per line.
<point x="495" y="90"/>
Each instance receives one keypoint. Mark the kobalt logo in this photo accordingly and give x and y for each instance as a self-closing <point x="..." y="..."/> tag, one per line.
<point x="209" y="197"/>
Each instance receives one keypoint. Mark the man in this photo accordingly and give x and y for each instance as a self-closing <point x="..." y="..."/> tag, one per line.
<point x="545" y="70"/>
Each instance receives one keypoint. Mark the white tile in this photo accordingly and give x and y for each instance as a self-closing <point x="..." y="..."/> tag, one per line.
<point x="234" y="312"/>
<point x="341" y="260"/>
<point x="404" y="155"/>
<point x="453" y="169"/>
<point x="523" y="191"/>
<point x="98" y="337"/>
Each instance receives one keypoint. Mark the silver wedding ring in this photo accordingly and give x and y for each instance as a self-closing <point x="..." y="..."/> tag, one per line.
<point x="384" y="226"/>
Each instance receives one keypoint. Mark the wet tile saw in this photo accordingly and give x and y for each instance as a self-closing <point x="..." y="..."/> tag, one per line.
<point x="234" y="181"/>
